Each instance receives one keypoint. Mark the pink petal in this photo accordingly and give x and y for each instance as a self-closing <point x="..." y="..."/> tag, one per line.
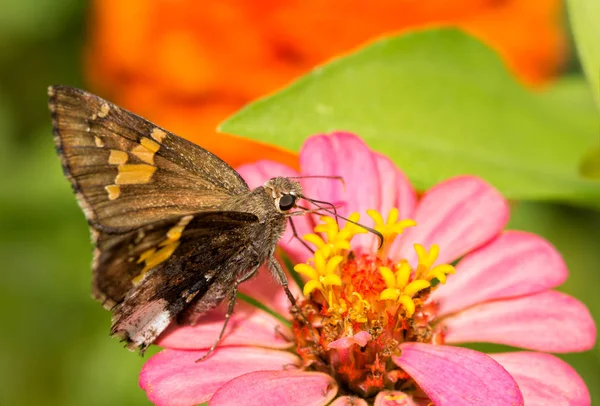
<point x="349" y="401"/>
<point x="395" y="188"/>
<point x="397" y="398"/>
<point x="269" y="292"/>
<point x="545" y="379"/>
<point x="396" y="191"/>
<point x="346" y="155"/>
<point x="277" y="388"/>
<point x="257" y="174"/>
<point x="458" y="376"/>
<point x="514" y="264"/>
<point x="174" y="378"/>
<point x="247" y="326"/>
<point x="361" y="339"/>
<point x="459" y="214"/>
<point x="548" y="321"/>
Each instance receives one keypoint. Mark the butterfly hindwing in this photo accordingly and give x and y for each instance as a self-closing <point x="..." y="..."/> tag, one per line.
<point x="128" y="172"/>
<point x="212" y="249"/>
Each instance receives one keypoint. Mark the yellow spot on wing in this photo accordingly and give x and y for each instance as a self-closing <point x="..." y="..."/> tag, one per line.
<point x="160" y="256"/>
<point x="132" y="174"/>
<point x="104" y="109"/>
<point x="149" y="144"/>
<point x="99" y="142"/>
<point x="153" y="257"/>
<point x="146" y="254"/>
<point x="117" y="157"/>
<point x="174" y="233"/>
<point x="146" y="150"/>
<point x="114" y="191"/>
<point x="158" y="134"/>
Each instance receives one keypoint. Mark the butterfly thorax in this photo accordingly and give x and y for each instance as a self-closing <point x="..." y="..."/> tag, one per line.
<point x="262" y="204"/>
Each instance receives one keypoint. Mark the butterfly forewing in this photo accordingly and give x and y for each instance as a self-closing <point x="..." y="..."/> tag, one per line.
<point x="126" y="171"/>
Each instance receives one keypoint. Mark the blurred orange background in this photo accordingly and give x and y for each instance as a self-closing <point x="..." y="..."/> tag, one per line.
<point x="188" y="64"/>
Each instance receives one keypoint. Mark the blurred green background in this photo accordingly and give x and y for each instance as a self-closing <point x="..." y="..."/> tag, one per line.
<point x="54" y="346"/>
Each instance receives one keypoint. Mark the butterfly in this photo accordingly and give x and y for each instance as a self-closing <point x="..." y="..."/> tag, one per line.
<point x="174" y="226"/>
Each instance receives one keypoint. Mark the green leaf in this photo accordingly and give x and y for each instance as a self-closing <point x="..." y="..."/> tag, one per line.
<point x="585" y="20"/>
<point x="439" y="103"/>
<point x="590" y="165"/>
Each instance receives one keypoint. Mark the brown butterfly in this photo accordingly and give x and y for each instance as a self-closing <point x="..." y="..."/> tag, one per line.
<point x="174" y="226"/>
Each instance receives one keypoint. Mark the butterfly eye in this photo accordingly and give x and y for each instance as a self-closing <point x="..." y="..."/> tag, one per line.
<point x="286" y="202"/>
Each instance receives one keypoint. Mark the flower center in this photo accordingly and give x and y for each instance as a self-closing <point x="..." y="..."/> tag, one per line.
<point x="361" y="305"/>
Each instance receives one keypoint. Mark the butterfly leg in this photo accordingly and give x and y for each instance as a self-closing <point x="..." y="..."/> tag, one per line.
<point x="277" y="271"/>
<point x="230" y="308"/>
<point x="281" y="277"/>
<point x="295" y="235"/>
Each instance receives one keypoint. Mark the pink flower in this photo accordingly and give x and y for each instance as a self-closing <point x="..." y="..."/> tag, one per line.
<point x="383" y="322"/>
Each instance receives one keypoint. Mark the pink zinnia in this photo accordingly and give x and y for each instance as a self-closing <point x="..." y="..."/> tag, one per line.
<point x="383" y="321"/>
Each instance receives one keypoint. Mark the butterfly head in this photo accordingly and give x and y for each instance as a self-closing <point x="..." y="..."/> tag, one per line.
<point x="285" y="192"/>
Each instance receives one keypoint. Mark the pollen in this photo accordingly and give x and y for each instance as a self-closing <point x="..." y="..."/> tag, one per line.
<point x="353" y="293"/>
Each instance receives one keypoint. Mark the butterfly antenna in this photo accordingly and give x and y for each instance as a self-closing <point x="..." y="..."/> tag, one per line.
<point x="340" y="178"/>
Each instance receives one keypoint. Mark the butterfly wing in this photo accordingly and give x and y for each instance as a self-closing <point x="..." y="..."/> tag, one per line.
<point x="152" y="200"/>
<point x="151" y="275"/>
<point x="127" y="172"/>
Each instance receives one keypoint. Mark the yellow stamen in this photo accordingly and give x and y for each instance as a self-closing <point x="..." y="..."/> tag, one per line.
<point x="388" y="277"/>
<point x="402" y="284"/>
<point x="315" y="240"/>
<point x="351" y="228"/>
<point x="408" y="304"/>
<point x="359" y="309"/>
<point x="320" y="257"/>
<point x="403" y="274"/>
<point x="440" y="272"/>
<point x="415" y="286"/>
<point x="307" y="271"/>
<point x="389" y="229"/>
<point x="331" y="280"/>
<point x="311" y="286"/>
<point x="427" y="258"/>
<point x="389" y="294"/>
<point x="333" y="263"/>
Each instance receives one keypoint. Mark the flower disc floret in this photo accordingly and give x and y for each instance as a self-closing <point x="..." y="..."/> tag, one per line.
<point x="354" y="294"/>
